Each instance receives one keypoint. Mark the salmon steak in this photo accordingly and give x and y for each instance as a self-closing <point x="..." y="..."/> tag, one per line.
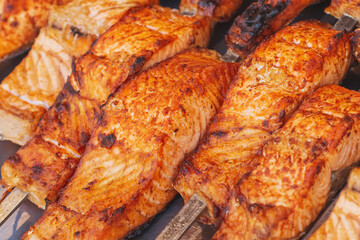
<point x="147" y="127"/>
<point x="32" y="87"/>
<point x="218" y="10"/>
<point x="344" y="220"/>
<point x="20" y="22"/>
<point x="290" y="183"/>
<point x="338" y="8"/>
<point x="142" y="38"/>
<point x="259" y="21"/>
<point x="271" y="84"/>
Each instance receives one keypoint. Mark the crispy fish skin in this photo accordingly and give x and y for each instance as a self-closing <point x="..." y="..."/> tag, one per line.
<point x="219" y="10"/>
<point x="344" y="220"/>
<point x="270" y="86"/>
<point x="125" y="175"/>
<point x="38" y="79"/>
<point x="260" y="20"/>
<point x="289" y="186"/>
<point x="20" y="21"/>
<point x="144" y="37"/>
<point x="349" y="7"/>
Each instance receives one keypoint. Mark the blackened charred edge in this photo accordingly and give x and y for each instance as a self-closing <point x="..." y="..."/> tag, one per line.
<point x="108" y="141"/>
<point x="77" y="234"/>
<point x="257" y="16"/>
<point x="118" y="211"/>
<point x="255" y="19"/>
<point x="84" y="138"/>
<point x="14" y="24"/>
<point x="339" y="35"/>
<point x="37" y="169"/>
<point x="138" y="64"/>
<point x="14" y="158"/>
<point x="77" y="31"/>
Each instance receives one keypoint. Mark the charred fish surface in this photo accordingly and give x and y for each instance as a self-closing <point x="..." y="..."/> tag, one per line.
<point x="32" y="87"/>
<point x="142" y="38"/>
<point x="148" y="126"/>
<point x="260" y="20"/>
<point x="271" y="84"/>
<point x="20" y="22"/>
<point x="290" y="183"/>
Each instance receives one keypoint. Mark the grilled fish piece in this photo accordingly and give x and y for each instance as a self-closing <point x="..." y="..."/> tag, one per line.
<point x="290" y="184"/>
<point x="219" y="10"/>
<point x="125" y="176"/>
<point x="20" y="22"/>
<point x="338" y="8"/>
<point x="344" y="221"/>
<point x="32" y="87"/>
<point x="271" y="84"/>
<point x="260" y="20"/>
<point x="142" y="38"/>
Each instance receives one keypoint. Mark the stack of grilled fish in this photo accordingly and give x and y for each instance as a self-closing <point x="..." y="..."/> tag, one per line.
<point x="119" y="106"/>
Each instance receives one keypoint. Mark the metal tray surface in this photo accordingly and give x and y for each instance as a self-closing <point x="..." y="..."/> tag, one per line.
<point x="27" y="214"/>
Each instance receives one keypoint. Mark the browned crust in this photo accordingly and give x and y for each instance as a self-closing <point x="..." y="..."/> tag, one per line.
<point x="147" y="128"/>
<point x="289" y="186"/>
<point x="20" y="22"/>
<point x="219" y="10"/>
<point x="143" y="37"/>
<point x="270" y="86"/>
<point x="260" y="20"/>
<point x="349" y="7"/>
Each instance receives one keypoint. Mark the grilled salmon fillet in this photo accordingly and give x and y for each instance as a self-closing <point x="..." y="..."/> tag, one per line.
<point x="20" y="22"/>
<point x="142" y="38"/>
<point x="271" y="84"/>
<point x="218" y="10"/>
<point x="291" y="180"/>
<point x="125" y="176"/>
<point x="32" y="87"/>
<point x="344" y="220"/>
<point x="349" y="7"/>
<point x="260" y="20"/>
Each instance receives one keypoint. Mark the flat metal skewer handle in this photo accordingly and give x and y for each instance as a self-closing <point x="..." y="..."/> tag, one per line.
<point x="182" y="221"/>
<point x="12" y="201"/>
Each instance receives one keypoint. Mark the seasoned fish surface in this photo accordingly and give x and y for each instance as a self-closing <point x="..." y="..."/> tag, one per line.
<point x="20" y="21"/>
<point x="289" y="186"/>
<point x="344" y="220"/>
<point x="355" y="40"/>
<point x="260" y="20"/>
<point x="270" y="86"/>
<point x="219" y="10"/>
<point x="349" y="7"/>
<point x="125" y="175"/>
<point x="142" y="38"/>
<point x="39" y="78"/>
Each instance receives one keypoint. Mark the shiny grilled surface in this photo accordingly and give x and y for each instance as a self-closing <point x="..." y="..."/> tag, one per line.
<point x="20" y="21"/>
<point x="125" y="176"/>
<point x="344" y="221"/>
<point x="291" y="180"/>
<point x="349" y="7"/>
<point x="260" y="20"/>
<point x="35" y="83"/>
<point x="219" y="10"/>
<point x="144" y="37"/>
<point x="270" y="86"/>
